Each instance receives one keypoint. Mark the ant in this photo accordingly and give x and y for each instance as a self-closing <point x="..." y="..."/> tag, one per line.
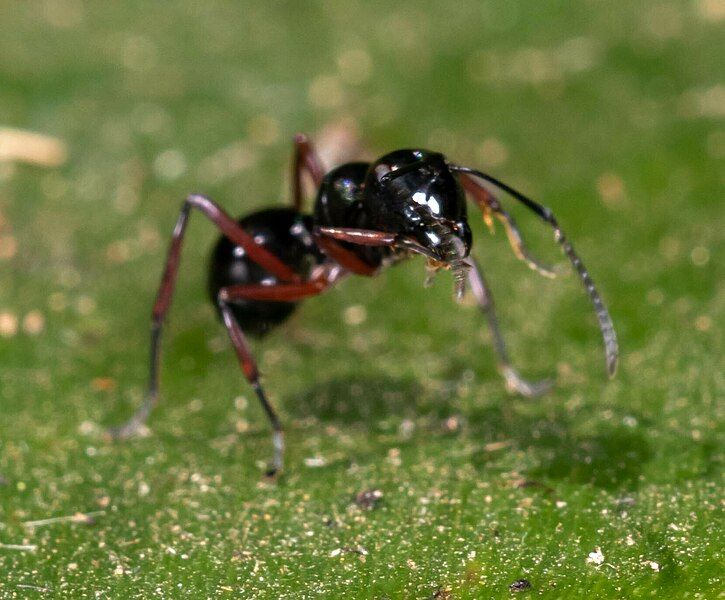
<point x="367" y="217"/>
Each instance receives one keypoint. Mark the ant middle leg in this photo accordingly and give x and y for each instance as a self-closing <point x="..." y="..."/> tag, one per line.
<point x="282" y="292"/>
<point x="231" y="229"/>
<point x="484" y="299"/>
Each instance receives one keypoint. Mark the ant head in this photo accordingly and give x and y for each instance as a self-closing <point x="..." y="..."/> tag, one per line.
<point x="413" y="193"/>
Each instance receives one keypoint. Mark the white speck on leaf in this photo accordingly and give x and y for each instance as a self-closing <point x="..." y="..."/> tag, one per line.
<point x="596" y="557"/>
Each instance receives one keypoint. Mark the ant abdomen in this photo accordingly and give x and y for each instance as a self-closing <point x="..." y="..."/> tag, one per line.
<point x="282" y="231"/>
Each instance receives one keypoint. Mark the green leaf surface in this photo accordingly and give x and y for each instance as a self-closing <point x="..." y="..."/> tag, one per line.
<point x="610" y="113"/>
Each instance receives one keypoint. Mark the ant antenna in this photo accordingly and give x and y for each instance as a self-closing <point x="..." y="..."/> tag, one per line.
<point x="606" y="326"/>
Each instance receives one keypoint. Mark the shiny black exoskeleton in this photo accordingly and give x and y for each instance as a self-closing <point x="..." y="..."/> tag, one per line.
<point x="410" y="193"/>
<point x="366" y="217"/>
<point x="282" y="231"/>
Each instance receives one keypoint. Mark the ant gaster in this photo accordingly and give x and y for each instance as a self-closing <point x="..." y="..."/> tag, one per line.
<point x="367" y="216"/>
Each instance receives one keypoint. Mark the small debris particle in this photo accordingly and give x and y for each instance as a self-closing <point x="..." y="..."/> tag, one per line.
<point x="72" y="566"/>
<point x="263" y="130"/>
<point x="143" y="489"/>
<point x="369" y="499"/>
<point x="595" y="557"/>
<point x="118" y="571"/>
<point x="88" y="428"/>
<point x="406" y="428"/>
<point x="82" y="518"/>
<point x="711" y="10"/>
<point x="452" y="424"/>
<point x="57" y="301"/>
<point x="561" y="504"/>
<point x="34" y="322"/>
<point x="700" y="256"/>
<point x="355" y="315"/>
<point x="19" y="547"/>
<point x="442" y="594"/>
<point x="315" y="461"/>
<point x="8" y="247"/>
<point x="629" y="540"/>
<point x="85" y="305"/>
<point x="359" y="550"/>
<point x="411" y="564"/>
<point x="17" y="145"/>
<point x="28" y="586"/>
<point x="170" y="164"/>
<point x="8" y="324"/>
<point x="492" y="153"/>
<point x="611" y="189"/>
<point x="103" y="384"/>
<point x="530" y="483"/>
<point x="703" y="323"/>
<point x="394" y="457"/>
<point x="493" y="446"/>
<point x="118" y="251"/>
<point x="355" y="65"/>
<point x="520" y="585"/>
<point x="326" y="91"/>
<point x="329" y="522"/>
<point x="654" y="566"/>
<point x="655" y="297"/>
<point x="631" y="422"/>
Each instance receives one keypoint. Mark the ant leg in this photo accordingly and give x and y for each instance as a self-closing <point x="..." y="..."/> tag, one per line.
<point x="488" y="204"/>
<point x="329" y="238"/>
<point x="368" y="237"/>
<point x="304" y="159"/>
<point x="249" y="368"/>
<point x="235" y="233"/>
<point x="363" y="237"/>
<point x="484" y="298"/>
<point x="611" y="346"/>
<point x="283" y="292"/>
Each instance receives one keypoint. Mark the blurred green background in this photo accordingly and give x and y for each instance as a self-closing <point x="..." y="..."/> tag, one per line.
<point x="608" y="112"/>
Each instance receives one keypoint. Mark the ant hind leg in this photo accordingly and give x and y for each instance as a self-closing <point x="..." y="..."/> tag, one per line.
<point x="230" y="228"/>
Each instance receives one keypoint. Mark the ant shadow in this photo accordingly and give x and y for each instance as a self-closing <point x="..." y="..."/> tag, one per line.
<point x="611" y="457"/>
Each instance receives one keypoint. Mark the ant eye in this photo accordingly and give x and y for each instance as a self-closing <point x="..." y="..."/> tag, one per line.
<point x="382" y="172"/>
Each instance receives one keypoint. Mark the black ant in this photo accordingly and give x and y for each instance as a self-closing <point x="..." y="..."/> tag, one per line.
<point x="367" y="216"/>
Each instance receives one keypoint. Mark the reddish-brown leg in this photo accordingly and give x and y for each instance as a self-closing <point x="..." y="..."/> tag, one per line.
<point x="304" y="159"/>
<point x="489" y="204"/>
<point x="369" y="237"/>
<point x="363" y="237"/>
<point x="344" y="257"/>
<point x="283" y="292"/>
<point x="328" y="239"/>
<point x="236" y="234"/>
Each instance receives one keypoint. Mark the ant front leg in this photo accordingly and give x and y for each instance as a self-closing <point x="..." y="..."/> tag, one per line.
<point x="489" y="204"/>
<point x="484" y="299"/>
<point x="304" y="159"/>
<point x="236" y="234"/>
<point x="282" y="292"/>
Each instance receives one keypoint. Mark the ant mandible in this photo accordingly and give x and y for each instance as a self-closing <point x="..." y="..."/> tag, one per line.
<point x="367" y="216"/>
